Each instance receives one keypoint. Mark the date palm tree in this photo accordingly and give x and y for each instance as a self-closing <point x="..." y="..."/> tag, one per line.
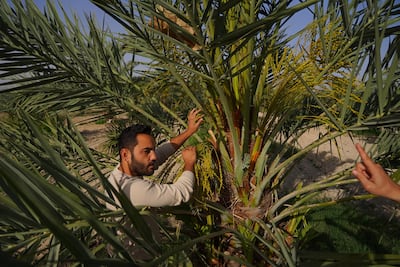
<point x="259" y="90"/>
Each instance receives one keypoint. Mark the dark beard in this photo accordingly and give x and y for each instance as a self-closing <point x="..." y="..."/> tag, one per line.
<point x="140" y="169"/>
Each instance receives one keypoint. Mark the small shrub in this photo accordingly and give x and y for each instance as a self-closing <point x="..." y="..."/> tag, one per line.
<point x="345" y="228"/>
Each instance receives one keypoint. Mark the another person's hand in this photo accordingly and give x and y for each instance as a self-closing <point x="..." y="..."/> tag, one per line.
<point x="374" y="178"/>
<point x="195" y="118"/>
<point x="189" y="156"/>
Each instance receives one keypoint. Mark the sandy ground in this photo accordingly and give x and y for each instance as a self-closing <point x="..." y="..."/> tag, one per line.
<point x="328" y="158"/>
<point x="94" y="133"/>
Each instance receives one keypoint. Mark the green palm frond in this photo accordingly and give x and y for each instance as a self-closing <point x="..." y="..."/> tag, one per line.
<point x="259" y="92"/>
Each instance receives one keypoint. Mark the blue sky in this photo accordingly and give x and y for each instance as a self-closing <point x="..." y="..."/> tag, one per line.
<point x="80" y="7"/>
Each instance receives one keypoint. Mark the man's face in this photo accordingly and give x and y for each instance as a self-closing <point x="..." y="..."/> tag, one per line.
<point x="142" y="157"/>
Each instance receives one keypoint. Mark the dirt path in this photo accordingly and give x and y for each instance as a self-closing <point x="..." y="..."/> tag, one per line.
<point x="94" y="133"/>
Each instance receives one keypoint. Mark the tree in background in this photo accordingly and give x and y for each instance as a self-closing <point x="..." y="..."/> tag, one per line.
<point x="230" y="58"/>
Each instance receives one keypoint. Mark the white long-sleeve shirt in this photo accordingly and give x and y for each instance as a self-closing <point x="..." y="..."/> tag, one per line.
<point x="142" y="192"/>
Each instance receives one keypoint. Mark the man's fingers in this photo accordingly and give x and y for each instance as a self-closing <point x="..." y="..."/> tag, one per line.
<point x="190" y="148"/>
<point x="362" y="178"/>
<point x="199" y="120"/>
<point x="361" y="167"/>
<point x="195" y="118"/>
<point x="364" y="156"/>
<point x="361" y="152"/>
<point x="194" y="112"/>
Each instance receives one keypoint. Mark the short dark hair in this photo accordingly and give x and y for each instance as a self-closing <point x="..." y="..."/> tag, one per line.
<point x="127" y="138"/>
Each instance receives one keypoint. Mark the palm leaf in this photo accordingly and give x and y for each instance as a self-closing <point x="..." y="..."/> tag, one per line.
<point x="258" y="95"/>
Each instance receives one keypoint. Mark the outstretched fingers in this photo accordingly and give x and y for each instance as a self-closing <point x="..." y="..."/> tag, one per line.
<point x="360" y="172"/>
<point x="189" y="156"/>
<point x="374" y="178"/>
<point x="364" y="156"/>
<point x="195" y="114"/>
<point x="361" y="169"/>
<point x="195" y="118"/>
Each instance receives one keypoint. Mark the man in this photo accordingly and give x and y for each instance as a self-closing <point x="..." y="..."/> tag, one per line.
<point x="139" y="157"/>
<point x="374" y="178"/>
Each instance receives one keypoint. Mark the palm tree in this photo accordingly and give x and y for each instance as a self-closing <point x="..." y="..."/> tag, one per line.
<point x="232" y="59"/>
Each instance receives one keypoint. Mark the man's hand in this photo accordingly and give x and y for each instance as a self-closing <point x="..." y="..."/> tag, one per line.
<point x="189" y="156"/>
<point x="374" y="178"/>
<point x="194" y="120"/>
